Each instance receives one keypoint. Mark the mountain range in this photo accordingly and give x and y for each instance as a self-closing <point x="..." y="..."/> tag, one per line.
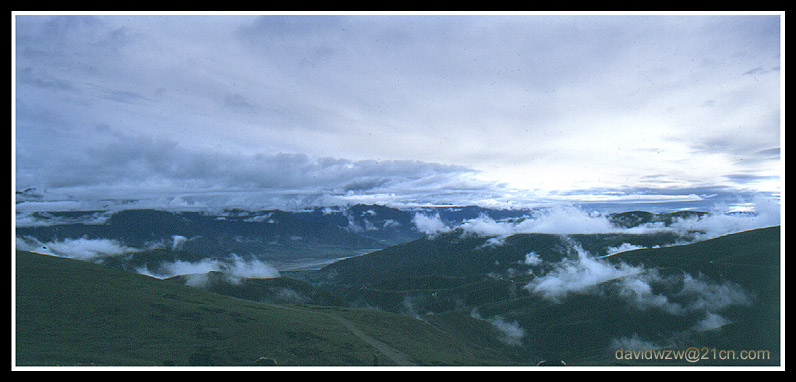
<point x="393" y="293"/>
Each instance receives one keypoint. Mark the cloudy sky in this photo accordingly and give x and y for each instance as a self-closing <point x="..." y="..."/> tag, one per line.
<point x="265" y="110"/>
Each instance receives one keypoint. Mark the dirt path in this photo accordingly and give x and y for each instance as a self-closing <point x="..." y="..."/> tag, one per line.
<point x="394" y="355"/>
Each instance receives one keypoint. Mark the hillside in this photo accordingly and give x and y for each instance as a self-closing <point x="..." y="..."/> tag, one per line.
<point x="568" y="298"/>
<point x="277" y="290"/>
<point x="71" y="312"/>
<point x="468" y="264"/>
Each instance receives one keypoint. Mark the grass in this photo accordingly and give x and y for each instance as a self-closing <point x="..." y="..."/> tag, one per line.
<point x="75" y="313"/>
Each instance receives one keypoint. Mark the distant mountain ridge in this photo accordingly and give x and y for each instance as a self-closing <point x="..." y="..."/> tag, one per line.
<point x="337" y="230"/>
<point x="290" y="240"/>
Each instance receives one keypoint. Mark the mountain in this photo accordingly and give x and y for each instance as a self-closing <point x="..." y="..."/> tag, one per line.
<point x="631" y="219"/>
<point x="289" y="240"/>
<point x="361" y="284"/>
<point x="456" y="257"/>
<point x="572" y="298"/>
<point x="234" y="232"/>
<point x="76" y="313"/>
<point x="275" y="236"/>
<point x="393" y="226"/>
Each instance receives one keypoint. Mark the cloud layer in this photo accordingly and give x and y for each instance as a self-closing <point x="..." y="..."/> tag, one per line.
<point x="403" y="109"/>
<point x="566" y="219"/>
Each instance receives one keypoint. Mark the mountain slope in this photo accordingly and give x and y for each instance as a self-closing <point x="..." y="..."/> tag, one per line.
<point x="566" y="297"/>
<point x="70" y="312"/>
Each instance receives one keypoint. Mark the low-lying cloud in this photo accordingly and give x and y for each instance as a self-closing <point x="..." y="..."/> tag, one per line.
<point x="570" y="220"/>
<point x="510" y="332"/>
<point x="638" y="287"/>
<point x="696" y="298"/>
<point x="235" y="268"/>
<point x="81" y="248"/>
<point x="430" y="225"/>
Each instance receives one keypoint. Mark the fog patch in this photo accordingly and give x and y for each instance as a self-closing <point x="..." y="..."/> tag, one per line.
<point x="632" y="342"/>
<point x="712" y="321"/>
<point x="624" y="247"/>
<point x="81" y="249"/>
<point x="532" y="258"/>
<point x="38" y="218"/>
<point x="511" y="333"/>
<point x="430" y="225"/>
<point x="581" y="274"/>
<point x="640" y="288"/>
<point x="234" y="268"/>
<point x="565" y="219"/>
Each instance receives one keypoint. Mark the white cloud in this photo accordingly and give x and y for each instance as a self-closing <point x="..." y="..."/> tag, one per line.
<point x="633" y="343"/>
<point x="567" y="219"/>
<point x="510" y="332"/>
<point x="712" y="321"/>
<point x="582" y="274"/>
<point x="430" y="225"/>
<point x="624" y="247"/>
<point x="81" y="248"/>
<point x="177" y="242"/>
<point x="532" y="259"/>
<point x="640" y="288"/>
<point x="208" y="103"/>
<point x="235" y="268"/>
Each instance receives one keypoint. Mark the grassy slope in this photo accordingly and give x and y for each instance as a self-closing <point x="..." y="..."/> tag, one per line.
<point x="579" y="329"/>
<point x="71" y="312"/>
<point x="750" y="259"/>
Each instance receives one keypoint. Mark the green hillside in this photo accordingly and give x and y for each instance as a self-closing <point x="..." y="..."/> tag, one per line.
<point x="461" y="302"/>
<point x="70" y="312"/>
<point x="279" y="290"/>
<point x="718" y="294"/>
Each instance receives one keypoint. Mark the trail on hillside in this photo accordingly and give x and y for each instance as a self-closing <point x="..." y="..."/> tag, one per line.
<point x="396" y="356"/>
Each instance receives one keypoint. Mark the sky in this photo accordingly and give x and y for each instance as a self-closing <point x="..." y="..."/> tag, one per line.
<point x="293" y="110"/>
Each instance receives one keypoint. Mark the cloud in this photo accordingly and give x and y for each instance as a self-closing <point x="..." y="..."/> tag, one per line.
<point x="511" y="333"/>
<point x="430" y="225"/>
<point x="82" y="248"/>
<point x="582" y="274"/>
<point x="121" y="166"/>
<point x="559" y="219"/>
<point x="712" y="321"/>
<point x="640" y="288"/>
<point x="177" y="242"/>
<point x="46" y="215"/>
<point x="624" y="247"/>
<point x="568" y="219"/>
<point x="632" y="342"/>
<point x="699" y="294"/>
<point x="235" y="269"/>
<point x="196" y="93"/>
<point x="532" y="259"/>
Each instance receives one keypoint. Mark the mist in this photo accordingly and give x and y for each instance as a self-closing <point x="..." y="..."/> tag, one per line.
<point x="567" y="219"/>
<point x="691" y="297"/>
<point x="81" y="249"/>
<point x="235" y="268"/>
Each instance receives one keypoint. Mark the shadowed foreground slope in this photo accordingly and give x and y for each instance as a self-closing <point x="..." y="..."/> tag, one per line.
<point x="75" y="313"/>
